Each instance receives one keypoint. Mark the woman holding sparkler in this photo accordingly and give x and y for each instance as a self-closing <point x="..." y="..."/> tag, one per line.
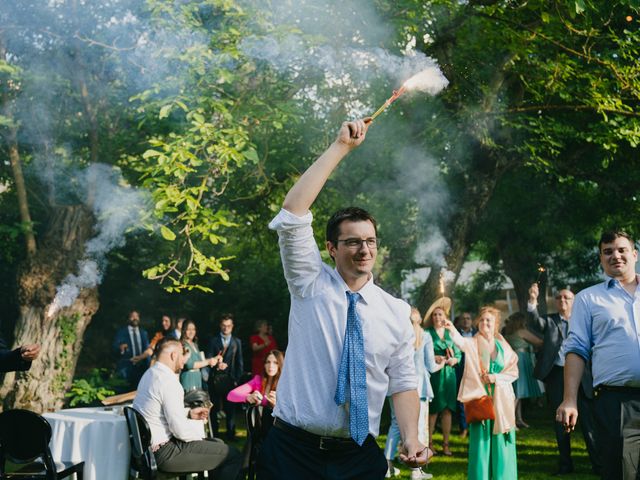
<point x="443" y="381"/>
<point x="490" y="368"/>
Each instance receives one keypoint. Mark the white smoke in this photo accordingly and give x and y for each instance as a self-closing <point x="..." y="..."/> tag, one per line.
<point x="118" y="209"/>
<point x="293" y="54"/>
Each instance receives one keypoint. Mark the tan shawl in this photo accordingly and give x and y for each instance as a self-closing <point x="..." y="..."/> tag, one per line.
<point x="471" y="386"/>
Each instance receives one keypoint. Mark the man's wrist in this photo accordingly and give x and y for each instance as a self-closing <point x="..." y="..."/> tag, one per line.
<point x="341" y="148"/>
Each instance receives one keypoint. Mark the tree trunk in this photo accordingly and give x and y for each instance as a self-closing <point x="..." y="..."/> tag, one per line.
<point x="60" y="335"/>
<point x="460" y="231"/>
<point x="21" y="192"/>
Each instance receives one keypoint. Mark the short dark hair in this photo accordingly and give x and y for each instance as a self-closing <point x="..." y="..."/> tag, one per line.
<point x="226" y="316"/>
<point x="609" y="236"/>
<point x="353" y="214"/>
<point x="164" y="344"/>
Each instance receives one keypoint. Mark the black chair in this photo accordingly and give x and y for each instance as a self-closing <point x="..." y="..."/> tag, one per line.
<point x="254" y="432"/>
<point x="143" y="461"/>
<point x="24" y="438"/>
<point x="259" y="421"/>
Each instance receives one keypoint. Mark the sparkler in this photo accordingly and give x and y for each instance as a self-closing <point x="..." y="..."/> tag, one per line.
<point x="441" y="283"/>
<point x="541" y="271"/>
<point x="430" y="80"/>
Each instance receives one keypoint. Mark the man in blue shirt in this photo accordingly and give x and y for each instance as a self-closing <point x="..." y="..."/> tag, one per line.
<point x="605" y="327"/>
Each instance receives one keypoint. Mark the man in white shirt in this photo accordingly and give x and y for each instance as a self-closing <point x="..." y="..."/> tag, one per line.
<point x="350" y="343"/>
<point x="177" y="433"/>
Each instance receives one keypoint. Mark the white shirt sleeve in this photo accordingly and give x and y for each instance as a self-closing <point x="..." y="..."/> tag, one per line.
<point x="299" y="252"/>
<point x="180" y="426"/>
<point x="401" y="370"/>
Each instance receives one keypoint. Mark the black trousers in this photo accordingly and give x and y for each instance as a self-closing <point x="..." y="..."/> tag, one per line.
<point x="220" y="403"/>
<point x="617" y="417"/>
<point x="285" y="457"/>
<point x="221" y="460"/>
<point x="554" y="384"/>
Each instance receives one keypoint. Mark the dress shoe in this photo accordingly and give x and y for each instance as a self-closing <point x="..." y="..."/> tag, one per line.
<point x="418" y="474"/>
<point x="392" y="472"/>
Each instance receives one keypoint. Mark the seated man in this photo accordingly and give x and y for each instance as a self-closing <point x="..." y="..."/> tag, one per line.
<point x="176" y="432"/>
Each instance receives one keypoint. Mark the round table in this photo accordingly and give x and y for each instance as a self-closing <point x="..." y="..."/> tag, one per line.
<point x="97" y="436"/>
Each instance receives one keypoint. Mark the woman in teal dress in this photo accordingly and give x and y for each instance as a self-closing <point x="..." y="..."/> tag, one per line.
<point x="443" y="381"/>
<point x="490" y="368"/>
<point x="522" y="341"/>
<point x="191" y="375"/>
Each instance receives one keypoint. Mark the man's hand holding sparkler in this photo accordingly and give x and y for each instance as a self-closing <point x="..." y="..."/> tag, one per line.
<point x="352" y="134"/>
<point x="304" y="192"/>
<point x="415" y="454"/>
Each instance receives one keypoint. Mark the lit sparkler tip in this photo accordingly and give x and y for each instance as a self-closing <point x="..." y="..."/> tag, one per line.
<point x="541" y="269"/>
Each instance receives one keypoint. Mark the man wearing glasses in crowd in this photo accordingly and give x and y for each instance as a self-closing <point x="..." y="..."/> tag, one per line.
<point x="349" y="343"/>
<point x="549" y="368"/>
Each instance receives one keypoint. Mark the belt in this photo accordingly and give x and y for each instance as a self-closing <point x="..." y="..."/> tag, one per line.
<point x="615" y="388"/>
<point x="317" y="441"/>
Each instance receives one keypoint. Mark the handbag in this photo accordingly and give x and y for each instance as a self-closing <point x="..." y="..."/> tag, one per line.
<point x="479" y="409"/>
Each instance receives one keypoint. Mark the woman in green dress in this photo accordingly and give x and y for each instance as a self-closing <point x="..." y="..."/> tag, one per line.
<point x="443" y="381"/>
<point x="490" y="368"/>
<point x="191" y="375"/>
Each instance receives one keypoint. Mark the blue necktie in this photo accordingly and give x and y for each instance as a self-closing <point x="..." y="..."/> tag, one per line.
<point x="352" y="374"/>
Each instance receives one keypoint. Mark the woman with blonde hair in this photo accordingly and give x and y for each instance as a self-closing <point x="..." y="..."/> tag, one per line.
<point x="491" y="366"/>
<point x="443" y="381"/>
<point x="425" y="364"/>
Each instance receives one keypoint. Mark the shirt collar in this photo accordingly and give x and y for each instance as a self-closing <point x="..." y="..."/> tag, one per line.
<point x="366" y="292"/>
<point x="611" y="282"/>
<point x="162" y="367"/>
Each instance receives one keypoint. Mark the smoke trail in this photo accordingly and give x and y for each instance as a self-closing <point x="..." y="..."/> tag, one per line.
<point x="294" y="54"/>
<point x="118" y="209"/>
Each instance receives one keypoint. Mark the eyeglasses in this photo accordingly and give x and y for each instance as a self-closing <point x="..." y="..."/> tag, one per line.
<point x="356" y="243"/>
<point x="563" y="297"/>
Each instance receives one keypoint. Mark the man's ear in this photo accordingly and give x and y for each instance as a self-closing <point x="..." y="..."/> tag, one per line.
<point x="331" y="249"/>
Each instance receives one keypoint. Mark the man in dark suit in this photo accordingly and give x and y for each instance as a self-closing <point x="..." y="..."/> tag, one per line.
<point x="225" y="375"/>
<point x="129" y="345"/>
<point x="18" y="359"/>
<point x="549" y="368"/>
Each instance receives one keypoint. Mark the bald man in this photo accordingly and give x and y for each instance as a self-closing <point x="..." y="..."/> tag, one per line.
<point x="549" y="368"/>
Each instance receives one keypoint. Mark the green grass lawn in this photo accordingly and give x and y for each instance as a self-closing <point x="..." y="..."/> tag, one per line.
<point x="536" y="447"/>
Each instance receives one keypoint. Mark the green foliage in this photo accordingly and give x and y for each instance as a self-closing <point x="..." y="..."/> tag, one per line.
<point x="96" y="387"/>
<point x="484" y="288"/>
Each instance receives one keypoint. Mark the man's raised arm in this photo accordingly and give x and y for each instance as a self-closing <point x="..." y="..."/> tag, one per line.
<point x="306" y="189"/>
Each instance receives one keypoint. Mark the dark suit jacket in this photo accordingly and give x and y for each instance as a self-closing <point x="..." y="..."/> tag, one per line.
<point x="122" y="336"/>
<point x="11" y="360"/>
<point x="548" y="326"/>
<point x="232" y="357"/>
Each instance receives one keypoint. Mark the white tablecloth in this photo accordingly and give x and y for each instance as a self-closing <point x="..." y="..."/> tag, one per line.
<point x="96" y="436"/>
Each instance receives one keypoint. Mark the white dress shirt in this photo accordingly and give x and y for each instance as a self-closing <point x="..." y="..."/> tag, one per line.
<point x="317" y="324"/>
<point x="136" y="344"/>
<point x="160" y="400"/>
<point x="605" y="327"/>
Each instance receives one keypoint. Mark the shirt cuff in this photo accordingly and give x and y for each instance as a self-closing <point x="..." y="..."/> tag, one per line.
<point x="285" y="220"/>
<point x="578" y="351"/>
<point x="531" y="307"/>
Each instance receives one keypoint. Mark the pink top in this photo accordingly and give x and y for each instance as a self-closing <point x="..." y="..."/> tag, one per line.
<point x="240" y="393"/>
